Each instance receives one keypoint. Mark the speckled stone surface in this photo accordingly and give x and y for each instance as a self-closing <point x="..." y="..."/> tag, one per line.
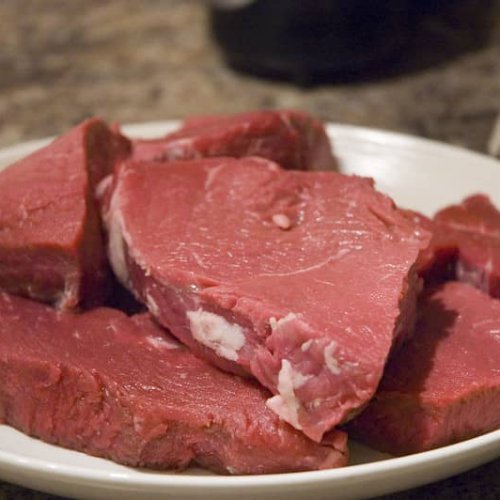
<point x="61" y="61"/>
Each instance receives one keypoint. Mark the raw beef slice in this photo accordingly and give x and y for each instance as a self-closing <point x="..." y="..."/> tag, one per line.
<point x="121" y="388"/>
<point x="443" y="385"/>
<point x="293" y="139"/>
<point x="301" y="279"/>
<point x="465" y="245"/>
<point x="51" y="246"/>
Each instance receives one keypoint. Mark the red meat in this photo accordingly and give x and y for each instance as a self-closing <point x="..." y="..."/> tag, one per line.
<point x="121" y="388"/>
<point x="293" y="139"/>
<point x="443" y="385"/>
<point x="465" y="245"/>
<point x="51" y="246"/>
<point x="301" y="279"/>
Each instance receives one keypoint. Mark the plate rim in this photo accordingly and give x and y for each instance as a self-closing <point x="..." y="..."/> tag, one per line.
<point x="167" y="478"/>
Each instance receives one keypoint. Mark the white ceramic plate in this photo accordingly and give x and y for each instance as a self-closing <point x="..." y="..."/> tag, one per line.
<point x="418" y="174"/>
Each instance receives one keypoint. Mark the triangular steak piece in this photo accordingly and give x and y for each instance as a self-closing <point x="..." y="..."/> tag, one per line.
<point x="293" y="139"/>
<point x="465" y="244"/>
<point x="51" y="246"/>
<point x="443" y="385"/>
<point x="302" y="279"/>
<point x="122" y="388"/>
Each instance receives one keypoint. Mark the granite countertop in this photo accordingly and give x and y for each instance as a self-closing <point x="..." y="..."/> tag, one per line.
<point x="151" y="60"/>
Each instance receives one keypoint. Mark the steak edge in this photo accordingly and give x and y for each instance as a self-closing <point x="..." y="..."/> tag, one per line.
<point x="121" y="388"/>
<point x="287" y="276"/>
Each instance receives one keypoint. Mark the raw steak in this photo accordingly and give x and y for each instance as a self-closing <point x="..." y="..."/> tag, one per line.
<point x="51" y="246"/>
<point x="465" y="245"/>
<point x="121" y="388"/>
<point x="293" y="139"/>
<point x="301" y="279"/>
<point x="443" y="385"/>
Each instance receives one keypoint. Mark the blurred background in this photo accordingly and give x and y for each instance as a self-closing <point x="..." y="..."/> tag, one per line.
<point x="431" y="68"/>
<point x="424" y="67"/>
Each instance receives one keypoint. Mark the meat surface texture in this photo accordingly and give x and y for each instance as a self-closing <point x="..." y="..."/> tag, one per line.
<point x="465" y="245"/>
<point x="293" y="139"/>
<point x="121" y="388"/>
<point x="443" y="386"/>
<point x="51" y="246"/>
<point x="300" y="279"/>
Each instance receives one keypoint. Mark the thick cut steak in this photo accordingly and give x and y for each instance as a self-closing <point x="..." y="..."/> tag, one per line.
<point x="465" y="245"/>
<point x="293" y="139"/>
<point x="301" y="279"/>
<point x="443" y="385"/>
<point x="121" y="388"/>
<point x="51" y="246"/>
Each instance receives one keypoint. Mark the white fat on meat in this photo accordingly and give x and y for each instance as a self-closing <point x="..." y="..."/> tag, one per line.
<point x="275" y="324"/>
<point x="282" y="221"/>
<point x="71" y="289"/>
<point x="211" y="175"/>
<point x="177" y="149"/>
<point x="161" y="343"/>
<point x="103" y="186"/>
<point x="116" y="245"/>
<point x="495" y="333"/>
<point x="330" y="361"/>
<point x="215" y="332"/>
<point x="152" y="305"/>
<point x="285" y="404"/>
<point x="306" y="345"/>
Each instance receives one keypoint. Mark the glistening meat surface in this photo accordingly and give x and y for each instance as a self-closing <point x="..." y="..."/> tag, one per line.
<point x="443" y="386"/>
<point x="121" y="388"/>
<point x="303" y="280"/>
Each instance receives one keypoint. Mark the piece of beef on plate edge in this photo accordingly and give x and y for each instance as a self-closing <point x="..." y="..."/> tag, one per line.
<point x="284" y="275"/>
<point x="51" y="241"/>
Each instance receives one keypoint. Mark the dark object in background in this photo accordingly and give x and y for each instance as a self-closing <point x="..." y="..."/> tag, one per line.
<point x="309" y="41"/>
<point x="298" y="39"/>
